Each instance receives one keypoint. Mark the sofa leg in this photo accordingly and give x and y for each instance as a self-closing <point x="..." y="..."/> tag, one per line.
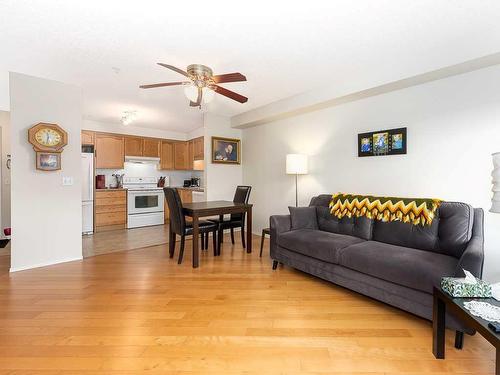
<point x="459" y="340"/>
<point x="275" y="264"/>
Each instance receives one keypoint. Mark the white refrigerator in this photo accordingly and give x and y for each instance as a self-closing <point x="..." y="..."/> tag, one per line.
<point x="88" y="193"/>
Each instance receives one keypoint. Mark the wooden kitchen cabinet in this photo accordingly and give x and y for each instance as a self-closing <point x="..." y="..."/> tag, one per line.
<point x="151" y="147"/>
<point x="134" y="146"/>
<point x="191" y="153"/>
<point x="87" y="137"/>
<point x="110" y="210"/>
<point x="167" y="155"/>
<point x="109" y="151"/>
<point x="198" y="148"/>
<point x="181" y="155"/>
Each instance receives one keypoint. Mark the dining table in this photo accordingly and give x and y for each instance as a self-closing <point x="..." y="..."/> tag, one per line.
<point x="197" y="210"/>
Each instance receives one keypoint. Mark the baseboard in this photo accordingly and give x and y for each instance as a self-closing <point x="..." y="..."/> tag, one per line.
<point x="24" y="268"/>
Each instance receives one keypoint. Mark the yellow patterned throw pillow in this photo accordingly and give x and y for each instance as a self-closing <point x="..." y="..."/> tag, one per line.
<point x="407" y="210"/>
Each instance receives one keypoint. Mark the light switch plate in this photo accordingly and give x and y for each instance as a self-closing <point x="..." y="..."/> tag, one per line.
<point x="67" y="181"/>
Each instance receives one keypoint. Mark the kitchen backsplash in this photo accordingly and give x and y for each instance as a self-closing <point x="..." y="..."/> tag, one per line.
<point x="149" y="170"/>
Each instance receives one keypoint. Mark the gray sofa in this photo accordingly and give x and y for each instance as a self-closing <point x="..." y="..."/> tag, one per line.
<point x="392" y="262"/>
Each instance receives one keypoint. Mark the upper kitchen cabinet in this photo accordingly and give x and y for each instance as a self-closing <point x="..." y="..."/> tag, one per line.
<point x="198" y="148"/>
<point x="134" y="146"/>
<point x="167" y="155"/>
<point x="191" y="152"/>
<point x="181" y="156"/>
<point x="109" y="151"/>
<point x="151" y="147"/>
<point x="87" y="137"/>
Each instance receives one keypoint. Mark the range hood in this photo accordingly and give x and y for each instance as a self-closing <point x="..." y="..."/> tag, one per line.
<point x="141" y="160"/>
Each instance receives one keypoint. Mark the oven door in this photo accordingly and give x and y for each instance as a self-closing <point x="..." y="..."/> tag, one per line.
<point x="143" y="202"/>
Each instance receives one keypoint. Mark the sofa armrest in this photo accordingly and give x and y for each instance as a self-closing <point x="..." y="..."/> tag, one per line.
<point x="472" y="258"/>
<point x="279" y="224"/>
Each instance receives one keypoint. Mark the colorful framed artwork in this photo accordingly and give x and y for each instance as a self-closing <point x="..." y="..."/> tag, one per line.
<point x="48" y="161"/>
<point x="383" y="142"/>
<point x="226" y="150"/>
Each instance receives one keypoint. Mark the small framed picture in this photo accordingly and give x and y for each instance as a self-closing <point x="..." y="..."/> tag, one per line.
<point x="226" y="150"/>
<point x="48" y="161"/>
<point x="383" y="142"/>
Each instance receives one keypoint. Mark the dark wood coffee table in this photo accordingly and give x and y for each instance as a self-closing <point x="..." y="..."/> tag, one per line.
<point x="443" y="301"/>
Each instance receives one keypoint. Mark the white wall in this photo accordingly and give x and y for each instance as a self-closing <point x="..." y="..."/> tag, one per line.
<point x="46" y="216"/>
<point x="453" y="127"/>
<point x="200" y="132"/>
<point x="4" y="90"/>
<point x="5" y="184"/>
<point x="132" y="130"/>
<point x="220" y="179"/>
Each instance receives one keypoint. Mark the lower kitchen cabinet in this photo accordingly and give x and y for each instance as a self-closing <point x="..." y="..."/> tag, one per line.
<point x="110" y="210"/>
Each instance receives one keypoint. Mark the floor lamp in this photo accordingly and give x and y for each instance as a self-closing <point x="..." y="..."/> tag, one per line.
<point x="495" y="200"/>
<point x="296" y="164"/>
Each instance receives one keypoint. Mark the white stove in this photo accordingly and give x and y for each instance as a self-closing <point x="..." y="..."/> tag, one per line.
<point x="145" y="201"/>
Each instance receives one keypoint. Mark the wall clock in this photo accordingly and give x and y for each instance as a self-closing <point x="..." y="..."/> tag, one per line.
<point x="48" y="141"/>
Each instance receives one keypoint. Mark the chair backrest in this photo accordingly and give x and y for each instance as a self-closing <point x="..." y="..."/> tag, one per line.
<point x="177" y="219"/>
<point x="241" y="195"/>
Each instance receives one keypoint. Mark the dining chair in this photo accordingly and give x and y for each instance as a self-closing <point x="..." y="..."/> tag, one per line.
<point x="237" y="220"/>
<point x="179" y="227"/>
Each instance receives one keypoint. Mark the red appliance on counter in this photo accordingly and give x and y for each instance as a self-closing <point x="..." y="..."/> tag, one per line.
<point x="100" y="181"/>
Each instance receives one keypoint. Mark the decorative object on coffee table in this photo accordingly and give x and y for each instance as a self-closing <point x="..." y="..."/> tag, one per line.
<point x="457" y="306"/>
<point x="468" y="287"/>
<point x="296" y="164"/>
<point x="382" y="142"/>
<point x="495" y="200"/>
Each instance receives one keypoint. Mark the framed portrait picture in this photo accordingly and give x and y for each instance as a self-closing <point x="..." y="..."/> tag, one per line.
<point x="383" y="142"/>
<point x="48" y="161"/>
<point x="226" y="150"/>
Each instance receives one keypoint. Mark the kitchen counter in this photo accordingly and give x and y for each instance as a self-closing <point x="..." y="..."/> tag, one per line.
<point x="111" y="189"/>
<point x="199" y="189"/>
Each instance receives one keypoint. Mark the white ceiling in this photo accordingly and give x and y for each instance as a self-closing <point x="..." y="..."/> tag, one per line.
<point x="284" y="48"/>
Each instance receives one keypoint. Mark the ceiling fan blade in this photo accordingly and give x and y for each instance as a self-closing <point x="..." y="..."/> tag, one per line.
<point x="198" y="100"/>
<point x="230" y="94"/>
<point x="230" y="77"/>
<point x="154" y="85"/>
<point x="171" y="67"/>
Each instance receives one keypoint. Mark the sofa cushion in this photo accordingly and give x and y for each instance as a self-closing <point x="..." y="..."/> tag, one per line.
<point x="303" y="218"/>
<point x="455" y="227"/>
<point x="423" y="237"/>
<point x="317" y="244"/>
<point x="413" y="268"/>
<point x="356" y="226"/>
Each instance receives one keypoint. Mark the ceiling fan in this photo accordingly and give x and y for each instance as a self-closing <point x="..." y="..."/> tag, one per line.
<point x="202" y="82"/>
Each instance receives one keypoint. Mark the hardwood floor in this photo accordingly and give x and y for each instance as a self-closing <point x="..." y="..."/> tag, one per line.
<point x="123" y="239"/>
<point x="138" y="312"/>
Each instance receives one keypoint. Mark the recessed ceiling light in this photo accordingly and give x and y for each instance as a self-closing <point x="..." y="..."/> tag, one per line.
<point x="128" y="117"/>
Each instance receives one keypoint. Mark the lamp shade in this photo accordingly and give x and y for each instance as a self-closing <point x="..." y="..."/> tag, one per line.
<point x="495" y="200"/>
<point x="296" y="164"/>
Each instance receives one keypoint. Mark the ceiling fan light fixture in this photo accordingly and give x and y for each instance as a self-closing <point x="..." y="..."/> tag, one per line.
<point x="202" y="84"/>
<point x="191" y="92"/>
<point x="208" y="95"/>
